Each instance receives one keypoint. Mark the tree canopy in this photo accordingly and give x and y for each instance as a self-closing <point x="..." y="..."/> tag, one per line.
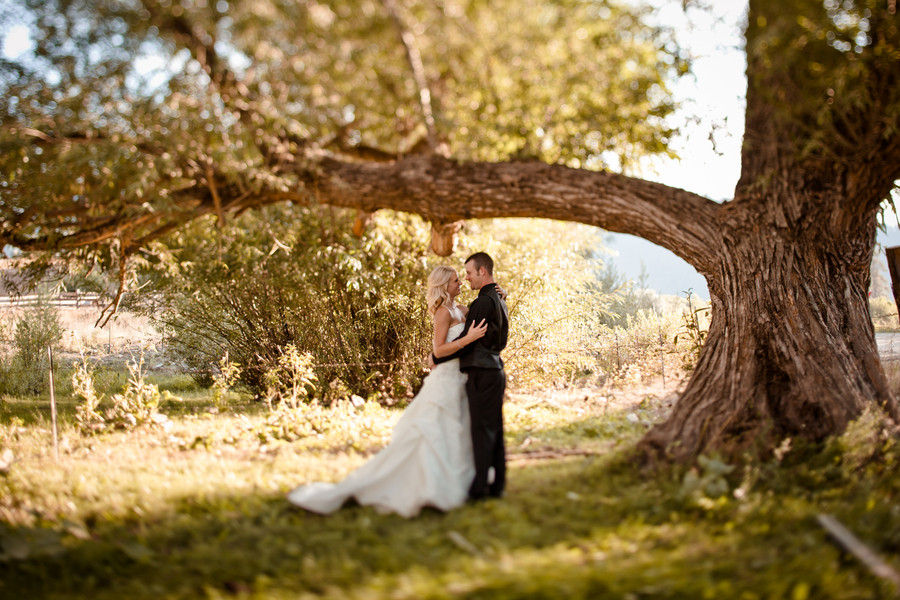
<point x="128" y="119"/>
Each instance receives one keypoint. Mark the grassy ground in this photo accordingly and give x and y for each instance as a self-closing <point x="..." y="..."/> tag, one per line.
<point x="196" y="509"/>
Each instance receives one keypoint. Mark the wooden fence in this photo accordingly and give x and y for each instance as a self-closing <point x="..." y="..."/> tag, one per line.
<point x="63" y="300"/>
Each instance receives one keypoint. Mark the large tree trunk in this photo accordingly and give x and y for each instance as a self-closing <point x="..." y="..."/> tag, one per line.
<point x="791" y="348"/>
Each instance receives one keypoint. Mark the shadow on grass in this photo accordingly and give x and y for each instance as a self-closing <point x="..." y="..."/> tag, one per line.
<point x="575" y="528"/>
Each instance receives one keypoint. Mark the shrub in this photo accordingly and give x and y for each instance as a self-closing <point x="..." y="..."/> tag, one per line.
<point x="287" y="275"/>
<point x="24" y="365"/>
<point x="135" y="406"/>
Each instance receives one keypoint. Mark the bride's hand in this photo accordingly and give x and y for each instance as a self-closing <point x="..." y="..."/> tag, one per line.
<point x="476" y="332"/>
<point x="500" y="291"/>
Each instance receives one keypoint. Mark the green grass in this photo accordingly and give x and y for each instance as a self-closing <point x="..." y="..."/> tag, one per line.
<point x="156" y="514"/>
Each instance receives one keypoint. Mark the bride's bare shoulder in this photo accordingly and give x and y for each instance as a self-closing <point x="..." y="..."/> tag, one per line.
<point x="442" y="315"/>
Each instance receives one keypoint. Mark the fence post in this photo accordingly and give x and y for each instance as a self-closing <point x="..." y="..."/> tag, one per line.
<point x="53" y="407"/>
<point x="662" y="352"/>
<point x="618" y="358"/>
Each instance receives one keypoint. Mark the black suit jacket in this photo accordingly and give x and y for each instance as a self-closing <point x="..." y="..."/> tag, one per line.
<point x="484" y="353"/>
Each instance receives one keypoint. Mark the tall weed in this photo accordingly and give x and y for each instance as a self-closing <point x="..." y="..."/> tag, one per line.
<point x="695" y="327"/>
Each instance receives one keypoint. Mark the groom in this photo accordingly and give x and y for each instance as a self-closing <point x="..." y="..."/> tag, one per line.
<point x="486" y="379"/>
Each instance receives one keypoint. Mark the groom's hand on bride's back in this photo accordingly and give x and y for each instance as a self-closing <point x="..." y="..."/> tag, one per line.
<point x="476" y="332"/>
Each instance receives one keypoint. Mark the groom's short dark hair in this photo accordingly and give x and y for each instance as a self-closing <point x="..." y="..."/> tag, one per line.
<point x="482" y="260"/>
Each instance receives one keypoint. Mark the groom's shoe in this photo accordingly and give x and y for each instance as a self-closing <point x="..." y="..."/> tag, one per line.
<point x="477" y="498"/>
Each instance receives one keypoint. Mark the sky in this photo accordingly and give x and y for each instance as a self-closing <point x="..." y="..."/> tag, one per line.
<point x="716" y="94"/>
<point x="709" y="145"/>
<point x="16" y="41"/>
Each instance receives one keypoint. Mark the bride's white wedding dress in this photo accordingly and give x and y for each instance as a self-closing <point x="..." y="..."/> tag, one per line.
<point x="428" y="461"/>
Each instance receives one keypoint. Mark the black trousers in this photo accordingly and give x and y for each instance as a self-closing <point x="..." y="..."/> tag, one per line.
<point x="485" y="388"/>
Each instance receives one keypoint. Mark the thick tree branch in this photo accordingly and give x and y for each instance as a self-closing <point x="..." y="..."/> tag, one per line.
<point x="815" y="121"/>
<point x="443" y="190"/>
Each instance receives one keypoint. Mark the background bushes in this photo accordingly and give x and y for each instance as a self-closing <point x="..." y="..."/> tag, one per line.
<point x="289" y="275"/>
<point x="24" y="339"/>
<point x="295" y="275"/>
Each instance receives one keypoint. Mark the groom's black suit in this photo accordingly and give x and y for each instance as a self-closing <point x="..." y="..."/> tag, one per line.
<point x="485" y="386"/>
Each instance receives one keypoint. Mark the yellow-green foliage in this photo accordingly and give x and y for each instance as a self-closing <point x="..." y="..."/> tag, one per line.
<point x="135" y="406"/>
<point x="224" y="379"/>
<point x="547" y="270"/>
<point x="290" y="381"/>
<point x="289" y="275"/>
<point x="24" y="338"/>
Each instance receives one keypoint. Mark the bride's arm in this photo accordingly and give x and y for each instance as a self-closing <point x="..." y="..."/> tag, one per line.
<point x="441" y="347"/>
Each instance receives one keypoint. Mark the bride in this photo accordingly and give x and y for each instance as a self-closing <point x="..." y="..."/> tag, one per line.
<point x="429" y="459"/>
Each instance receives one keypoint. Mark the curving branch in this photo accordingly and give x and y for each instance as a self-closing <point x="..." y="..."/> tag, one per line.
<point x="113" y="306"/>
<point x="444" y="190"/>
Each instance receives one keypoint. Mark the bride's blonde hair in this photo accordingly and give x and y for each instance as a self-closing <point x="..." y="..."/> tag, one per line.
<point x="437" y="294"/>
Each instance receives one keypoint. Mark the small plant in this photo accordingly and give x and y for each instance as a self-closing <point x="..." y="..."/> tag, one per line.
<point x="693" y="332"/>
<point x="139" y="402"/>
<point x="86" y="412"/>
<point x="871" y="439"/>
<point x="228" y="375"/>
<point x="135" y="406"/>
<point x="289" y="384"/>
<point x="292" y="379"/>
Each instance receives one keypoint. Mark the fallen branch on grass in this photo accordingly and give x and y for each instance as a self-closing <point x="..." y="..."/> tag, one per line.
<point x="849" y="542"/>
<point x="537" y="455"/>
